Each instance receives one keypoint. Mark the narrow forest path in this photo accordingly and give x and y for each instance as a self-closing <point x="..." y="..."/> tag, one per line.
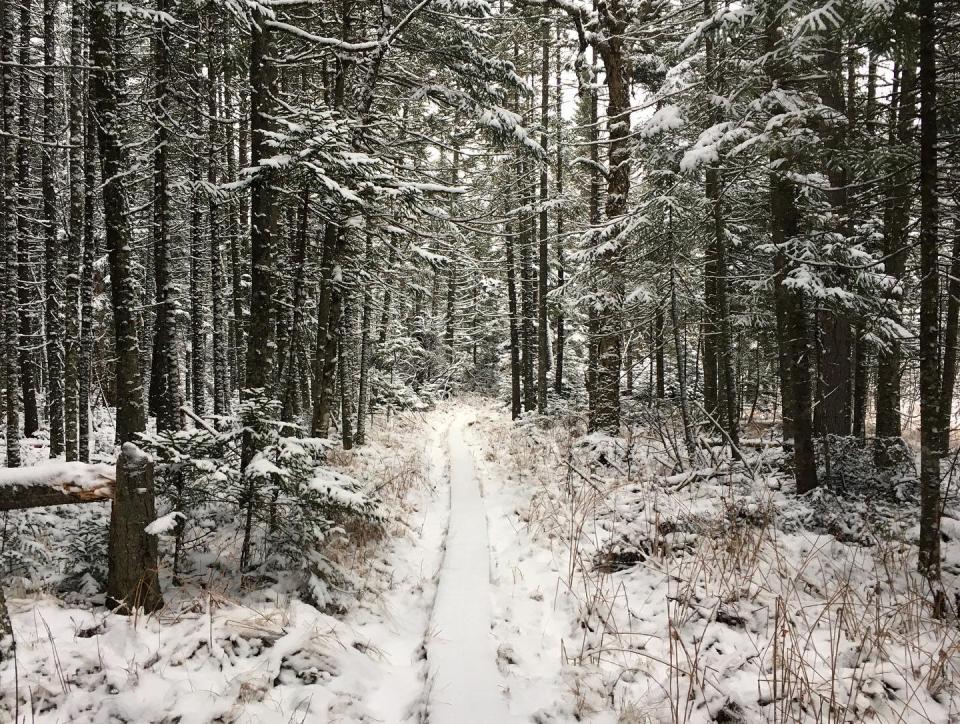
<point x="465" y="683"/>
<point x="467" y="629"/>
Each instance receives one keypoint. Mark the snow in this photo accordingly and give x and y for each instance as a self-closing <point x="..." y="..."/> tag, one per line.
<point x="529" y="573"/>
<point x="72" y="475"/>
<point x="463" y="653"/>
<point x="164" y="524"/>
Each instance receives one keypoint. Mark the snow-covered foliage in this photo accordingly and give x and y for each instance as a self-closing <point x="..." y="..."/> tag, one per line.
<point x="286" y="504"/>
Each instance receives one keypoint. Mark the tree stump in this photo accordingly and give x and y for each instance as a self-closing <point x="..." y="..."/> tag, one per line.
<point x="132" y="581"/>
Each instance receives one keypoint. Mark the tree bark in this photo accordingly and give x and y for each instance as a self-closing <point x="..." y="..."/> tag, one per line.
<point x="164" y="392"/>
<point x="53" y="313"/>
<point x="896" y="219"/>
<point x="132" y="577"/>
<point x="29" y="299"/>
<point x="931" y="438"/>
<point x="8" y="229"/>
<point x="74" y="237"/>
<point x="543" y="257"/>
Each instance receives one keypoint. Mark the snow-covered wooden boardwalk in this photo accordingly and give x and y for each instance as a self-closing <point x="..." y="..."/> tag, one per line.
<point x="466" y="685"/>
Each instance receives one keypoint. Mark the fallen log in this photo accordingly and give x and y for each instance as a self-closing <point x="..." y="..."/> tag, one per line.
<point x="56" y="483"/>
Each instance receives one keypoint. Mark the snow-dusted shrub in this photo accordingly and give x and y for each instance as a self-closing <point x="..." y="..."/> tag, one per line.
<point x="285" y="506"/>
<point x="61" y="547"/>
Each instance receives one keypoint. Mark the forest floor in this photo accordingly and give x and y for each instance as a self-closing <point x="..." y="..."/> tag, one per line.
<point x="530" y="574"/>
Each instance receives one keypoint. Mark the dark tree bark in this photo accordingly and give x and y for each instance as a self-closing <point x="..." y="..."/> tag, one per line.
<point x="132" y="577"/>
<point x="659" y="324"/>
<point x="235" y="206"/>
<point x="198" y="294"/>
<point x="321" y="409"/>
<point x="543" y="256"/>
<point x="931" y="437"/>
<point x="8" y="229"/>
<point x="132" y="580"/>
<point x="164" y="393"/>
<point x="613" y="53"/>
<point x="526" y="225"/>
<point x="53" y="314"/>
<point x="261" y="342"/>
<point x="720" y="385"/>
<point x="832" y="415"/>
<point x="561" y="332"/>
<point x="292" y="372"/>
<point x="896" y="219"/>
<point x="509" y="242"/>
<point x="29" y="299"/>
<point x="218" y="299"/>
<point x="345" y="372"/>
<point x="87" y="286"/>
<point x="363" y="394"/>
<point x="951" y="330"/>
<point x="260" y="349"/>
<point x="73" y="319"/>
<point x="792" y="334"/>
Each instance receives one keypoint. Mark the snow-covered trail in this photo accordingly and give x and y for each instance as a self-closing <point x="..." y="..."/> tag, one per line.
<point x="466" y="685"/>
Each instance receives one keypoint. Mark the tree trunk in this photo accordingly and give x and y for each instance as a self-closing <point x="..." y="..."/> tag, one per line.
<point x="53" y="314"/>
<point x="29" y="299"/>
<point x="291" y="373"/>
<point x="321" y="424"/>
<point x="132" y="577"/>
<point x="561" y="338"/>
<point x="132" y="580"/>
<point x="218" y="300"/>
<point x="71" y="399"/>
<point x="931" y="438"/>
<point x="950" y="340"/>
<point x="198" y="292"/>
<point x="164" y="395"/>
<point x="510" y="237"/>
<point x="87" y="285"/>
<point x="896" y="220"/>
<point x="8" y="229"/>
<point x="610" y="284"/>
<point x="363" y="395"/>
<point x="543" y="260"/>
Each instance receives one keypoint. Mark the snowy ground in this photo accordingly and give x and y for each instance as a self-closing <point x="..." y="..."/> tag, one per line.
<point x="529" y="575"/>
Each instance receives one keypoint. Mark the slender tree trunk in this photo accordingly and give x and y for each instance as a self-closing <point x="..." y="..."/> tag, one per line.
<point x="610" y="283"/>
<point x="132" y="578"/>
<point x="526" y="290"/>
<point x="291" y="393"/>
<point x="363" y="395"/>
<point x="931" y="437"/>
<point x="321" y="424"/>
<point x="164" y="394"/>
<point x="218" y="301"/>
<point x="515" y="392"/>
<point x="29" y="300"/>
<point x="593" y="203"/>
<point x="87" y="285"/>
<point x="895" y="239"/>
<point x="238" y="350"/>
<point x="345" y="373"/>
<point x="261" y="343"/>
<point x="8" y="242"/>
<point x="832" y="415"/>
<point x="950" y="340"/>
<point x="658" y="326"/>
<point x="53" y="314"/>
<point x="543" y="260"/>
<point x="561" y="338"/>
<point x="74" y="236"/>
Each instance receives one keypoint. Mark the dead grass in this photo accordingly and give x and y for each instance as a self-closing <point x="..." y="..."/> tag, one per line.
<point x="838" y="633"/>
